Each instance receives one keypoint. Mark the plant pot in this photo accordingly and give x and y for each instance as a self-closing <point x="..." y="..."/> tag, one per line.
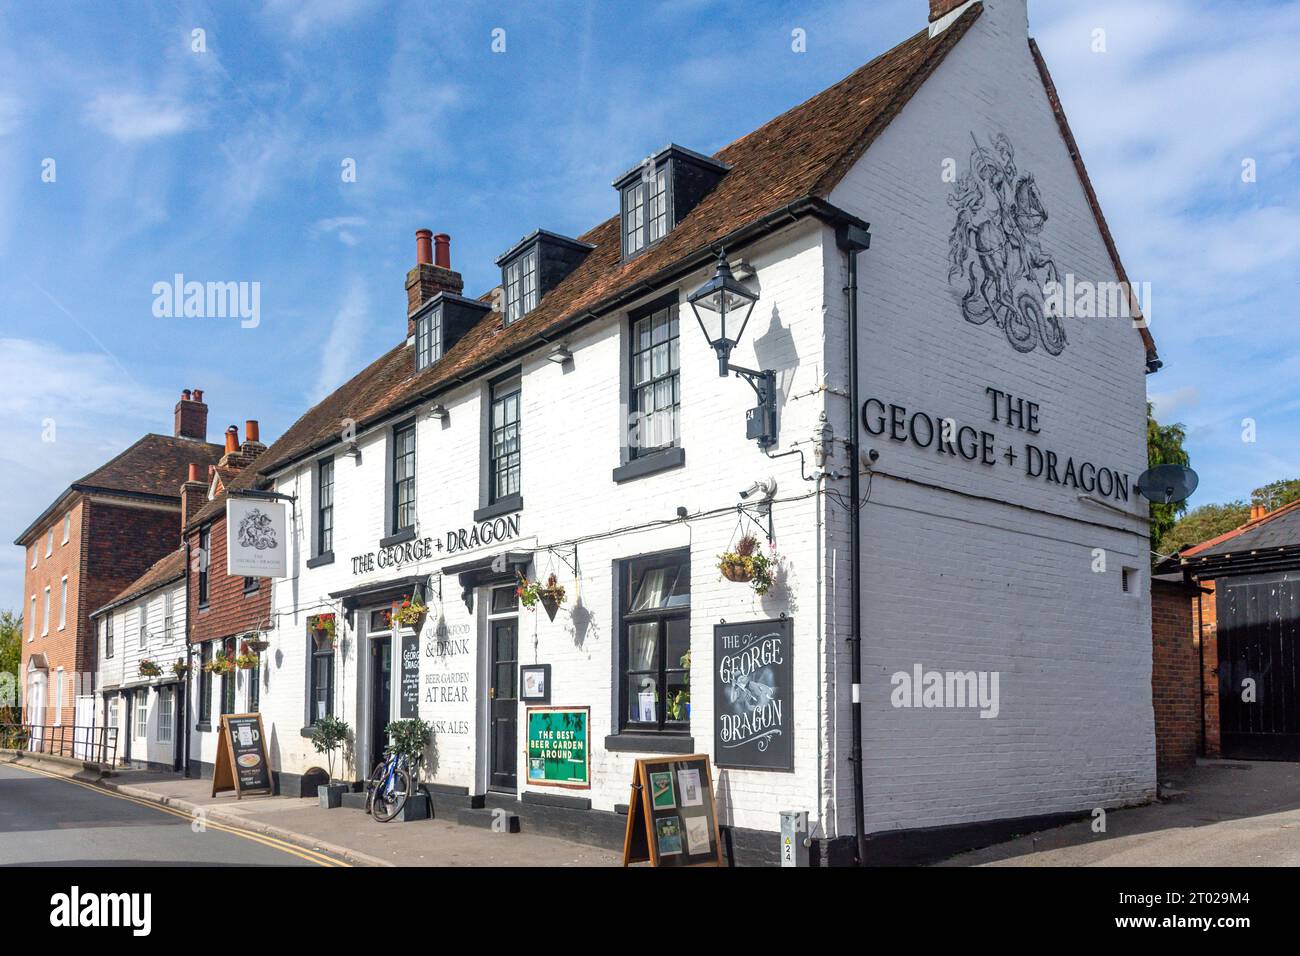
<point x="331" y="797"/>
<point x="550" y="605"/>
<point x="258" y="646"/>
<point x="736" y="573"/>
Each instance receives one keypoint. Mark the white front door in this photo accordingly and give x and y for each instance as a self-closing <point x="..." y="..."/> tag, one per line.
<point x="36" y="710"/>
<point x="84" y="728"/>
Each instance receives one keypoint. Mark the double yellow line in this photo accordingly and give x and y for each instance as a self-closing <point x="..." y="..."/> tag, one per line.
<point x="311" y="856"/>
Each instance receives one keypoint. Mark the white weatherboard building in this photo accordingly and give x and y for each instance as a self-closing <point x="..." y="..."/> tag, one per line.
<point x="574" y="423"/>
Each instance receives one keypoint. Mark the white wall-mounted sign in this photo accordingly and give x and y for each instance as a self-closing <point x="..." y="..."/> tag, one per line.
<point x="256" y="539"/>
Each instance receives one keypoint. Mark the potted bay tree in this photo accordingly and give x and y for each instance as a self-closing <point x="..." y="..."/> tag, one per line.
<point x="327" y="736"/>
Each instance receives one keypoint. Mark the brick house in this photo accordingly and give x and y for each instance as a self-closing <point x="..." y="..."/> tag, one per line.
<point x="573" y="421"/>
<point x="1245" y="612"/>
<point x="222" y="610"/>
<point x="102" y="532"/>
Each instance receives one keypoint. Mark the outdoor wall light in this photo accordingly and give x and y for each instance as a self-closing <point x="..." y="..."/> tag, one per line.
<point x="439" y="411"/>
<point x="559" y="355"/>
<point x="722" y="307"/>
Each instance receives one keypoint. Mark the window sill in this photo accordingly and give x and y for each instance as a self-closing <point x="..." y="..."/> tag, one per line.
<point x="401" y="537"/>
<point x="651" y="743"/>
<point x="203" y="727"/>
<point x="325" y="557"/>
<point x="500" y="507"/>
<point x="651" y="464"/>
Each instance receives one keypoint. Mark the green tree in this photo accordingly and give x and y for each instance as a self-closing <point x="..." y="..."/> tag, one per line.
<point x="1165" y="447"/>
<point x="11" y="655"/>
<point x="1202" y="523"/>
<point x="1276" y="494"/>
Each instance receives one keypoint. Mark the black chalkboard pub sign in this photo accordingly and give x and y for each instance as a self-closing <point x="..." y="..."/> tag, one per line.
<point x="753" y="693"/>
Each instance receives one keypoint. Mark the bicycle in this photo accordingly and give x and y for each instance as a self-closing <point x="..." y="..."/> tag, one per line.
<point x="392" y="783"/>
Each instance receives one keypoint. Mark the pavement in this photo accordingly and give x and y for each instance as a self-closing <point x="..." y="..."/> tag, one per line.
<point x="1219" y="813"/>
<point x="346" y="835"/>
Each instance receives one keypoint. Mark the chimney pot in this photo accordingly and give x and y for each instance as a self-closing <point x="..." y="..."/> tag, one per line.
<point x="185" y="395"/>
<point x="232" y="440"/>
<point x="198" y="394"/>
<point x="423" y="246"/>
<point x="194" y="471"/>
<point x="251" y="432"/>
<point x="442" y="250"/>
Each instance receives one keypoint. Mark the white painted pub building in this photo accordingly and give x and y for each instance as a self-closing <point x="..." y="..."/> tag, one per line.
<point x="574" y="422"/>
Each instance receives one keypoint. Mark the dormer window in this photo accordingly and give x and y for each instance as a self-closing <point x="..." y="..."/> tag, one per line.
<point x="660" y="192"/>
<point x="428" y="338"/>
<point x="534" y="266"/>
<point x="521" y="285"/>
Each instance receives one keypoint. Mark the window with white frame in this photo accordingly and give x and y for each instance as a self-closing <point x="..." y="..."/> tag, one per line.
<point x="108" y="634"/>
<point x="404" y="477"/>
<point x="143" y="621"/>
<point x="503" y="446"/>
<point x="168" y="613"/>
<point x="110" y="712"/>
<point x="58" y="697"/>
<point x="428" y="338"/>
<point x="142" y="713"/>
<point x="45" y="628"/>
<point x="67" y="527"/>
<point x="655" y="400"/>
<point x="521" y="285"/>
<point x="49" y="543"/>
<point x="645" y="210"/>
<point x="63" y="603"/>
<point x="325" y="506"/>
<point x="31" y="630"/>
<point x="165" y="698"/>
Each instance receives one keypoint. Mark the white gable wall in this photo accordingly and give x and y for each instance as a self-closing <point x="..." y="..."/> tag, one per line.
<point x="955" y="582"/>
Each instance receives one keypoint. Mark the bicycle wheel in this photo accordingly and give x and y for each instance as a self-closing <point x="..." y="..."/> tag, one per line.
<point x="375" y="784"/>
<point x="388" y="803"/>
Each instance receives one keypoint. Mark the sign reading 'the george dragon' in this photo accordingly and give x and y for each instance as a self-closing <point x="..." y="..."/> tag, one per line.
<point x="753" y="693"/>
<point x="255" y="538"/>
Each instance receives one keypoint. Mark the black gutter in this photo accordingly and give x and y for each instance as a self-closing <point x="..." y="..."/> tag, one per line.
<point x="189" y="659"/>
<point x="807" y="206"/>
<point x="853" y="240"/>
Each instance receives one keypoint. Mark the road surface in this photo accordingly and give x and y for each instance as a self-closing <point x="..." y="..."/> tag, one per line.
<point x="48" y="820"/>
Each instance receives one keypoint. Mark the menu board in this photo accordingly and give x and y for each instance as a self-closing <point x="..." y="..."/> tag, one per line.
<point x="671" y="816"/>
<point x="410" y="687"/>
<point x="753" y="694"/>
<point x="557" y="751"/>
<point x="242" y="764"/>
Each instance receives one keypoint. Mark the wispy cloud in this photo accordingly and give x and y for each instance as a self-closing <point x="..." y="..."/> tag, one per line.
<point x="339" y="359"/>
<point x="130" y="117"/>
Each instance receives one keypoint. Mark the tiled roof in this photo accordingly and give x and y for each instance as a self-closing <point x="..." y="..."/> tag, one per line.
<point x="156" y="465"/>
<point x="795" y="158"/>
<point x="170" y="568"/>
<point x="1277" y="529"/>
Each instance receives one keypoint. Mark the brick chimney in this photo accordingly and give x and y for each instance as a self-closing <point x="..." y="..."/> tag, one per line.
<point x="432" y="273"/>
<point x="192" y="416"/>
<point x="194" y="495"/>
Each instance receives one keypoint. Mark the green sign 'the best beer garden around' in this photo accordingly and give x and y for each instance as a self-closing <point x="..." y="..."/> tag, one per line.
<point x="557" y="747"/>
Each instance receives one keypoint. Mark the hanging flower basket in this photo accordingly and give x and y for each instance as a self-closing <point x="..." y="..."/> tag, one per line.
<point x="551" y="596"/>
<point x="749" y="565"/>
<point x="246" y="662"/>
<point x="180" y="669"/>
<point x="220" y="664"/>
<point x="149" y="668"/>
<point x="258" y="646"/>
<point x="410" y="613"/>
<point x="323" y="623"/>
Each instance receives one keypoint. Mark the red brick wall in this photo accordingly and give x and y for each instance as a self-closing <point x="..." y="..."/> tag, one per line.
<point x="1175" y="687"/>
<point x="1208" y="629"/>
<point x="111" y="544"/>
<point x="229" y="611"/>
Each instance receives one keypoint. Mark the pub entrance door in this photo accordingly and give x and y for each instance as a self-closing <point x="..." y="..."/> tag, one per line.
<point x="381" y="694"/>
<point x="503" y="692"/>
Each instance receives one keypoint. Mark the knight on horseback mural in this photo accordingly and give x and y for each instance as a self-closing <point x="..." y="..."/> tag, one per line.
<point x="996" y="264"/>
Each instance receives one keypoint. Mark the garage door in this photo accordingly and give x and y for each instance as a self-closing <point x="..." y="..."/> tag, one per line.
<point x="1259" y="666"/>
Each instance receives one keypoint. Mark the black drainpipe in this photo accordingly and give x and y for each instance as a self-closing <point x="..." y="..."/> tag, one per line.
<point x="189" y="659"/>
<point x="854" y="239"/>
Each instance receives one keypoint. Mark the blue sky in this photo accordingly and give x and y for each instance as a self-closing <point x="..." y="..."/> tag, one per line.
<point x="225" y="165"/>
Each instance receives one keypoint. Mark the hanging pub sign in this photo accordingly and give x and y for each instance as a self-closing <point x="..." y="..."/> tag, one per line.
<point x="753" y="691"/>
<point x="410" y="691"/>
<point x="671" y="817"/>
<point x="557" y="751"/>
<point x="242" y="764"/>
<point x="256" y="542"/>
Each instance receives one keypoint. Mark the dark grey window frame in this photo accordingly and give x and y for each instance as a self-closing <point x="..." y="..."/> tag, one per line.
<point x="313" y="654"/>
<point x="511" y="384"/>
<point x="663" y="729"/>
<point x="205" y="685"/>
<point x="395" y="513"/>
<point x="663" y="166"/>
<point x="670" y="304"/>
<point x="205" y="548"/>
<point x="324" y="511"/>
<point x="428" y="338"/>
<point x="523" y="302"/>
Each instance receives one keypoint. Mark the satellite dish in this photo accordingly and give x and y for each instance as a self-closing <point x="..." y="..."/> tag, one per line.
<point x="1165" y="484"/>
